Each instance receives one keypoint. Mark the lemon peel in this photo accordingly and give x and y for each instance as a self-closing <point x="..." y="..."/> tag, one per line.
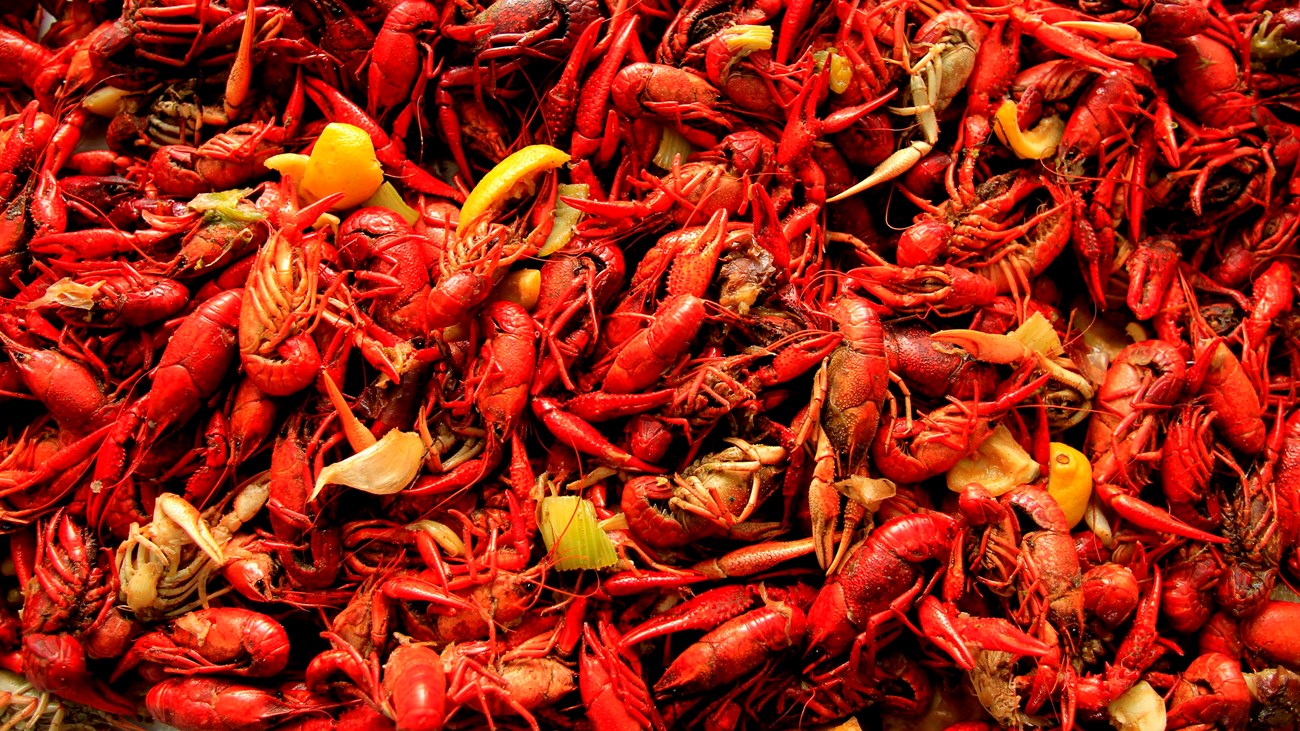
<point x="1069" y="481"/>
<point x="516" y="175"/>
<point x="1038" y="143"/>
<point x="342" y="161"/>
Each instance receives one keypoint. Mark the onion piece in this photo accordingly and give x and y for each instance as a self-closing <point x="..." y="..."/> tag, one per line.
<point x="68" y="293"/>
<point x="572" y="534"/>
<point x="522" y="286"/>
<point x="673" y="148"/>
<point x="566" y="218"/>
<point x="1000" y="465"/>
<point x="226" y="204"/>
<point x="841" y="73"/>
<point x="105" y="101"/>
<point x="1096" y="520"/>
<point x="869" y="492"/>
<point x="388" y="197"/>
<point x="442" y="534"/>
<point x="742" y="40"/>
<point x="1140" y="709"/>
<point x="384" y="468"/>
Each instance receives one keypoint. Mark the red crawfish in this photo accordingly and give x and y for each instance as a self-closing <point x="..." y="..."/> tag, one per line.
<point x="68" y="600"/>
<point x="1189" y="586"/>
<point x="858" y="375"/>
<point x="280" y="298"/>
<point x="612" y="684"/>
<point x="1264" y="635"/>
<point x="395" y="57"/>
<point x="1142" y="379"/>
<point x="877" y="574"/>
<point x="1136" y="653"/>
<point x="650" y="352"/>
<point x="69" y="389"/>
<point x="293" y="518"/>
<point x="736" y="648"/>
<point x="28" y="62"/>
<point x="1287" y="488"/>
<point x="1230" y="394"/>
<point x="195" y="362"/>
<point x="1211" y="688"/>
<point x="225" y="640"/>
<point x="113" y="297"/>
<point x="222" y="162"/>
<point x="910" y="449"/>
<point x="715" y="495"/>
<point x="218" y="704"/>
<point x="416" y="685"/>
<point x="505" y="368"/>
<point x="393" y="268"/>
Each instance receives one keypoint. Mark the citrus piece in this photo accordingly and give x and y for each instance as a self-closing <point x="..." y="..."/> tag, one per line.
<point x="291" y="165"/>
<point x="1038" y="143"/>
<point x="512" y="177"/>
<point x="522" y="287"/>
<point x="343" y="161"/>
<point x="1069" y="481"/>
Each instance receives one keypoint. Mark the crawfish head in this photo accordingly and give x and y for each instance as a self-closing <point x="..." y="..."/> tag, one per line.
<point x="53" y="661"/>
<point x="69" y="591"/>
<point x="553" y="26"/>
<point x="57" y="664"/>
<point x="954" y="38"/>
<point x="697" y="21"/>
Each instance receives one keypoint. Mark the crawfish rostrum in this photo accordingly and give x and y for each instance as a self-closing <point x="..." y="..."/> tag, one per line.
<point x="919" y="364"/>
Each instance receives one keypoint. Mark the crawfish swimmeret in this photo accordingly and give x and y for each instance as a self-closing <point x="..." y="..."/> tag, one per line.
<point x="683" y="364"/>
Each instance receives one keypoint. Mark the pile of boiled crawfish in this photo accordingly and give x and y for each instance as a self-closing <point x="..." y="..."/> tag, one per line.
<point x="921" y="365"/>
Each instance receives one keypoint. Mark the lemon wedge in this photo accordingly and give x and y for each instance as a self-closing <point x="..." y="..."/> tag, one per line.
<point x="1038" y="143"/>
<point x="512" y="177"/>
<point x="343" y="161"/>
<point x="1069" y="481"/>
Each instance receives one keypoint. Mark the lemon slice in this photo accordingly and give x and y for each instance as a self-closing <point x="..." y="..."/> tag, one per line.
<point x="1069" y="481"/>
<point x="512" y="177"/>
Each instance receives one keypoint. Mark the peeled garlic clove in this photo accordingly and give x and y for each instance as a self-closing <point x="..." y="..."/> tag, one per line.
<point x="383" y="468"/>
